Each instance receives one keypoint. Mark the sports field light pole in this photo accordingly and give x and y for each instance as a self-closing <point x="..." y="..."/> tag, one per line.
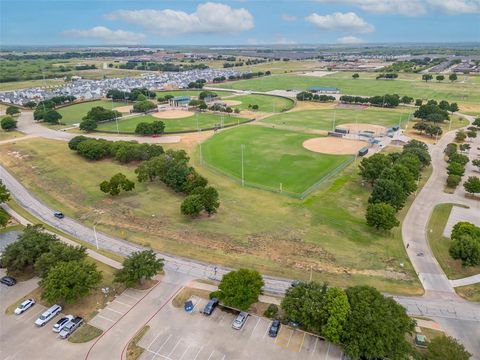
<point x="242" y="147"/>
<point x="334" y="113"/>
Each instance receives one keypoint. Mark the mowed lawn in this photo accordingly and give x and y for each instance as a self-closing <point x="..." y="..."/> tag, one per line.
<point x="273" y="104"/>
<point x="271" y="157"/>
<point x="199" y="121"/>
<point x="466" y="89"/>
<point x="74" y="113"/>
<point x="324" y="119"/>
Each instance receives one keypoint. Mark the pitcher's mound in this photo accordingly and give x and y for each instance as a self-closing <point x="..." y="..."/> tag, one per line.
<point x="173" y="114"/>
<point x="124" y="109"/>
<point x="334" y="145"/>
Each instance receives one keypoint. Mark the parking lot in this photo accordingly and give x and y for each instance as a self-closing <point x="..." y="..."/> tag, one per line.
<point x="177" y="335"/>
<point x="116" y="309"/>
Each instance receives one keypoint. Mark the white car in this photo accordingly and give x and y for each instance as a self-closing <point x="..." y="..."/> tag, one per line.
<point x="61" y="323"/>
<point x="24" y="306"/>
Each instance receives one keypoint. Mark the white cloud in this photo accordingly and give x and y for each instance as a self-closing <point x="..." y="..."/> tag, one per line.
<point x="340" y="22"/>
<point x="289" y="18"/>
<point x="208" y="18"/>
<point x="412" y="7"/>
<point x="350" y="40"/>
<point x="456" y="6"/>
<point x="106" y="35"/>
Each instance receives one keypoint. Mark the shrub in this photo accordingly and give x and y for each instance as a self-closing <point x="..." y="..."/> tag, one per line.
<point x="271" y="311"/>
<point x="453" y="180"/>
<point x="8" y="123"/>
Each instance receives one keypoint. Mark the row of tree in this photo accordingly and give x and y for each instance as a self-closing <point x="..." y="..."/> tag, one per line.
<point x="4" y="197"/>
<point x="429" y="129"/>
<point x="427" y="77"/>
<point x="435" y="111"/>
<point x="393" y="178"/>
<point x="456" y="164"/>
<point x="309" y="96"/>
<point x="173" y="170"/>
<point x="136" y="94"/>
<point x="122" y="151"/>
<point x="387" y="100"/>
<point x="156" y="127"/>
<point x="98" y="114"/>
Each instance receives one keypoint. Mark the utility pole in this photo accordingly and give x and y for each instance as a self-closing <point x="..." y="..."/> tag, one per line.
<point x="242" y="147"/>
<point x="334" y="113"/>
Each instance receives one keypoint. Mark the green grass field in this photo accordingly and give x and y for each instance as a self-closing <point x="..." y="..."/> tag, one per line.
<point x="74" y="113"/>
<point x="406" y="84"/>
<point x="274" y="234"/>
<point x="323" y="119"/>
<point x="271" y="157"/>
<point x="205" y="121"/>
<point x="440" y="245"/>
<point x="273" y="104"/>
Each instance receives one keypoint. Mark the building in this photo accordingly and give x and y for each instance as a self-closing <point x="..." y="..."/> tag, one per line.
<point x="324" y="89"/>
<point x="179" y="101"/>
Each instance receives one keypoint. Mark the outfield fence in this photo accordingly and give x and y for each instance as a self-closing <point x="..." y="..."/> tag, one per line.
<point x="281" y="190"/>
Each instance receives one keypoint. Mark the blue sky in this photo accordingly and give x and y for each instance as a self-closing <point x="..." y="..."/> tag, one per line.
<point x="111" y="22"/>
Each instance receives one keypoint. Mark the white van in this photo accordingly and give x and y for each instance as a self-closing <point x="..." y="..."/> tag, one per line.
<point x="48" y="315"/>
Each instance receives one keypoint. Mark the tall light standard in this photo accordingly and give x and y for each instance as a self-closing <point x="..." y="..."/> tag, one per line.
<point x="242" y="147"/>
<point x="95" y="234"/>
<point x="334" y="113"/>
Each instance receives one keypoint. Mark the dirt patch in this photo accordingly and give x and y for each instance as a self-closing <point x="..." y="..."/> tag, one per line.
<point x="356" y="128"/>
<point x="173" y="114"/>
<point x="230" y="102"/>
<point x="124" y="109"/>
<point x="318" y="73"/>
<point x="195" y="137"/>
<point x="310" y="105"/>
<point x="334" y="145"/>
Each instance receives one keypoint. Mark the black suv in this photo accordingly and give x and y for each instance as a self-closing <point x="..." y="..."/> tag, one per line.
<point x="58" y="215"/>
<point x="210" y="306"/>
<point x="274" y="328"/>
<point x="8" y="280"/>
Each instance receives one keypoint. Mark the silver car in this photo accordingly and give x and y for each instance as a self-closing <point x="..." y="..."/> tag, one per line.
<point x="240" y="320"/>
<point x="61" y="323"/>
<point x="70" y="327"/>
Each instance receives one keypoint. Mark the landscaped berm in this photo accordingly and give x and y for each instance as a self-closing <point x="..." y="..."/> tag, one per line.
<point x="272" y="159"/>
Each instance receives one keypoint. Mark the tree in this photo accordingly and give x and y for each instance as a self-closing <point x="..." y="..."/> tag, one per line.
<point x="450" y="149"/>
<point x="117" y="183"/>
<point x="355" y="76"/>
<point x="154" y="128"/>
<point x="4" y="193"/>
<point x="335" y="310"/>
<point x="427" y="77"/>
<point x="440" y="77"/>
<point x="389" y="192"/>
<point x="57" y="252"/>
<point x="455" y="169"/>
<point x="138" y="267"/>
<point x="453" y="107"/>
<point x="381" y="216"/>
<point x="460" y="136"/>
<point x="12" y="110"/>
<point x="421" y="126"/>
<point x="418" y="102"/>
<point x="192" y="205"/>
<point x="476" y="162"/>
<point x="4" y="218"/>
<point x="472" y="134"/>
<point x="452" y="77"/>
<point x="444" y="105"/>
<point x="458" y="158"/>
<point x="21" y="255"/>
<point x="472" y="185"/>
<point x="209" y="198"/>
<point x="453" y="180"/>
<point x="88" y="125"/>
<point x="68" y="282"/>
<point x="52" y="117"/>
<point x="406" y="99"/>
<point x="144" y="106"/>
<point x="30" y="104"/>
<point x="465" y="228"/>
<point x="376" y="326"/>
<point x="446" y="348"/>
<point x="240" y="289"/>
<point x="476" y="122"/>
<point x="372" y="167"/>
<point x="8" y="123"/>
<point x="466" y="247"/>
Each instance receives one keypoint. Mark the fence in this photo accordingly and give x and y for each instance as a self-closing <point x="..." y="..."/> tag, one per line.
<point x="279" y="190"/>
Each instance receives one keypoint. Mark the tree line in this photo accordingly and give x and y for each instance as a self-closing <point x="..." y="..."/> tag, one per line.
<point x="387" y="100"/>
<point x="155" y="66"/>
<point x="309" y="96"/>
<point x="393" y="178"/>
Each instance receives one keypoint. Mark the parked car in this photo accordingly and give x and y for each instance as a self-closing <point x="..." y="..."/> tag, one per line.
<point x="274" y="328"/>
<point x="8" y="280"/>
<point x="48" y="315"/>
<point x="240" y="320"/>
<point x="61" y="323"/>
<point x="58" y="215"/>
<point x="24" y="306"/>
<point x="211" y="305"/>
<point x="188" y="306"/>
<point x="70" y="327"/>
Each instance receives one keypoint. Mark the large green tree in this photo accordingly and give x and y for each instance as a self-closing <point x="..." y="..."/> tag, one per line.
<point x="138" y="267"/>
<point x="12" y="110"/>
<point x="389" y="192"/>
<point x="240" y="289"/>
<point x="446" y="348"/>
<point x="335" y="310"/>
<point x="381" y="216"/>
<point x="8" y="123"/>
<point x="472" y="185"/>
<point x="376" y="326"/>
<point x="4" y="196"/>
<point x="372" y="167"/>
<point x="67" y="282"/>
<point x="58" y="252"/>
<point x="117" y="183"/>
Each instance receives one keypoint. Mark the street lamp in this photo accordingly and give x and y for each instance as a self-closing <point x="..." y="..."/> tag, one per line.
<point x="242" y="147"/>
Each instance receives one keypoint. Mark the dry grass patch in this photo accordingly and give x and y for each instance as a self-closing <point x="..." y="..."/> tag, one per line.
<point x="84" y="334"/>
<point x="469" y="292"/>
<point x="186" y="293"/>
<point x="133" y="350"/>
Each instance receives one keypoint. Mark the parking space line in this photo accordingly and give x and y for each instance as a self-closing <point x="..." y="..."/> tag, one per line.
<point x="188" y="348"/>
<point x="165" y="343"/>
<point x="121" y="303"/>
<point x="328" y="349"/>
<point x="266" y="331"/>
<point x="155" y="354"/>
<point x="291" y="334"/>
<point x="36" y="316"/>
<point x="115" y="311"/>
<point x="195" y="358"/>
<point x="301" y="344"/>
<point x="315" y="346"/>
<point x="178" y="342"/>
<point x="149" y="346"/>
<point x="103" y="317"/>
<point x="211" y="354"/>
<point x="255" y="327"/>
<point x="130" y="296"/>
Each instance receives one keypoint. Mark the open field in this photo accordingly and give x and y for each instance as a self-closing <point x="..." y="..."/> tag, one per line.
<point x="324" y="119"/>
<point x="272" y="104"/>
<point x="271" y="157"/>
<point x="201" y="120"/>
<point x="457" y="123"/>
<point x="282" y="236"/>
<point x="74" y="113"/>
<point x="440" y="245"/>
<point x="7" y="135"/>
<point x="190" y="93"/>
<point x="466" y="90"/>
<point x="15" y="85"/>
